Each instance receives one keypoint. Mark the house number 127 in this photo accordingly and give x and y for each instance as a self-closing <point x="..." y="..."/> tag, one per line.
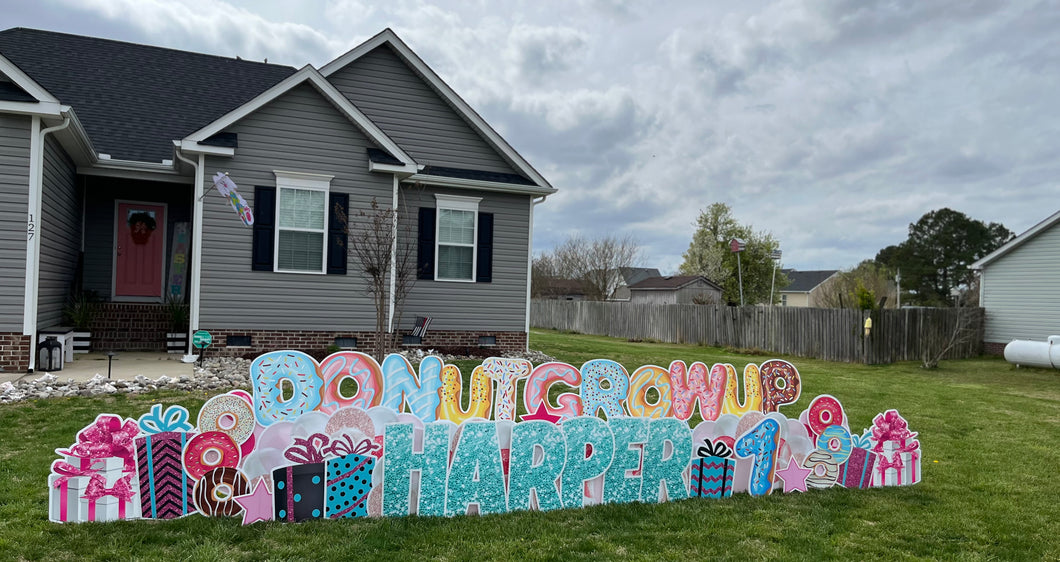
<point x="30" y="228"/>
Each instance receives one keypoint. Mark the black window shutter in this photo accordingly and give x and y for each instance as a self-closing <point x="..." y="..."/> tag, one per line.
<point x="339" y="207"/>
<point x="484" y="270"/>
<point x="425" y="249"/>
<point x="264" y="228"/>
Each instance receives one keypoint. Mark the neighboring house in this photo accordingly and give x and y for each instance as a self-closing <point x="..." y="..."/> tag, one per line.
<point x="563" y="290"/>
<point x="107" y="154"/>
<point x="678" y="289"/>
<point x="806" y="287"/>
<point x="629" y="276"/>
<point x="1019" y="287"/>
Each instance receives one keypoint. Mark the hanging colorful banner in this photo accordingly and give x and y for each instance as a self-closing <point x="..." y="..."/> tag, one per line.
<point x="226" y="187"/>
<point x="404" y="444"/>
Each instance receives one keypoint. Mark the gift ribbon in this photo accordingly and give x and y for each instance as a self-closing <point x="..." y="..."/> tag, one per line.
<point x="66" y="471"/>
<point x="109" y="436"/>
<point x="97" y="489"/>
<point x="863" y="441"/>
<point x="883" y="464"/>
<point x="889" y="426"/>
<point x="345" y="446"/>
<point x="308" y="451"/>
<point x="717" y="449"/>
<point x="175" y="418"/>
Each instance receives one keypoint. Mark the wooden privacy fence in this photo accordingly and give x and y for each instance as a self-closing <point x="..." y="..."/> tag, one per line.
<point x="823" y="333"/>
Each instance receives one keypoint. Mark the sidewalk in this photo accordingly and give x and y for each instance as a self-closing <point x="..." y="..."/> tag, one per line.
<point x="125" y="366"/>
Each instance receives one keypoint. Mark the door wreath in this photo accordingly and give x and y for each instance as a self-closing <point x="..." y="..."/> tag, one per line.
<point x="141" y="225"/>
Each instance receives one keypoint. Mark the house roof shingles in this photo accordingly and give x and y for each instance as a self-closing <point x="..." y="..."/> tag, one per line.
<point x="134" y="100"/>
<point x="672" y="282"/>
<point x="806" y="281"/>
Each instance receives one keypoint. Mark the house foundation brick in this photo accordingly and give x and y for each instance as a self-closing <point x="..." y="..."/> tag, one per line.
<point x="130" y="327"/>
<point x="15" y="350"/>
<point x="262" y="341"/>
<point x="994" y="348"/>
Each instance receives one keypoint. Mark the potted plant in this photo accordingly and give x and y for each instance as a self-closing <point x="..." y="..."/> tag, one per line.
<point x="178" y="312"/>
<point x="79" y="312"/>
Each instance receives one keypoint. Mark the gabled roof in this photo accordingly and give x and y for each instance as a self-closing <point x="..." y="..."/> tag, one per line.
<point x="670" y="283"/>
<point x="312" y="76"/>
<point x="1017" y="241"/>
<point x="134" y="100"/>
<point x="634" y="275"/>
<point x="806" y="281"/>
<point x="388" y="37"/>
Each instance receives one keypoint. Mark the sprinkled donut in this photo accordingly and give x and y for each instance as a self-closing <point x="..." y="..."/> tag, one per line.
<point x="824" y="470"/>
<point x="780" y="384"/>
<point x="266" y="374"/>
<point x="210" y="450"/>
<point x="224" y="409"/>
<point x="640" y="381"/>
<point x="824" y="411"/>
<point x="836" y="440"/>
<point x="542" y="378"/>
<point x="752" y="390"/>
<point x="215" y="493"/>
<point x="689" y="384"/>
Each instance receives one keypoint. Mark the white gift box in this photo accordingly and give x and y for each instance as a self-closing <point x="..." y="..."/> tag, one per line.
<point x="107" y="508"/>
<point x="906" y="473"/>
<point x="70" y="492"/>
<point x="107" y="465"/>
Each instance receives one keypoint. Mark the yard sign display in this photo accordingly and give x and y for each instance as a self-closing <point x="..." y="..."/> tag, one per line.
<point x="403" y="442"/>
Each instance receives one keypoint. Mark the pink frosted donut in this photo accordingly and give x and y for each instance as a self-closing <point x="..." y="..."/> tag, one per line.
<point x="229" y="414"/>
<point x="210" y="450"/>
<point x="824" y="411"/>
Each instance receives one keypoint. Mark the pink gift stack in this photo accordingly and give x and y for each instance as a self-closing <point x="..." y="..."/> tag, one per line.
<point x="898" y="450"/>
<point x="95" y="479"/>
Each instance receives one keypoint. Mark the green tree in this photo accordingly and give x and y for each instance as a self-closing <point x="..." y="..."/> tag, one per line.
<point x="862" y="286"/>
<point x="934" y="259"/>
<point x="708" y="255"/>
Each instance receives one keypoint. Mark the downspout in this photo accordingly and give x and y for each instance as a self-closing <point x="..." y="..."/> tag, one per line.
<point x="530" y="264"/>
<point x="33" y="226"/>
<point x="393" y="260"/>
<point x="196" y="246"/>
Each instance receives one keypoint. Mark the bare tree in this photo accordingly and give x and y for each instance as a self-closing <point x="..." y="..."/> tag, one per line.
<point x="596" y="263"/>
<point x="386" y="258"/>
<point x="966" y="329"/>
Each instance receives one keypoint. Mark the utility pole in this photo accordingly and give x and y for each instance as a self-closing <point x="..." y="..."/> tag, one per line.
<point x="737" y="246"/>
<point x="898" y="285"/>
<point x="776" y="258"/>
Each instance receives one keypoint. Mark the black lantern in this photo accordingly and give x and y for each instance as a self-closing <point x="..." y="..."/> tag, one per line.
<point x="50" y="355"/>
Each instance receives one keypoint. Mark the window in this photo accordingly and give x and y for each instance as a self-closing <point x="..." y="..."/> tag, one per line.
<point x="783" y="300"/>
<point x="457" y="231"/>
<point x="301" y="222"/>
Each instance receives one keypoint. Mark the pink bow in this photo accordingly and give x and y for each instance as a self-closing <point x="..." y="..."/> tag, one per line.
<point x="107" y="437"/>
<point x="68" y="471"/>
<point x="890" y="426"/>
<point x="308" y="451"/>
<point x="97" y="488"/>
<point x="345" y="446"/>
<point x="895" y="462"/>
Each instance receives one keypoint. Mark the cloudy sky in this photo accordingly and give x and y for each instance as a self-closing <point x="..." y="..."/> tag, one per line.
<point x="832" y="124"/>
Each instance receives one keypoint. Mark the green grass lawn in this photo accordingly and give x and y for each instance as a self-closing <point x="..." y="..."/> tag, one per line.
<point x="990" y="465"/>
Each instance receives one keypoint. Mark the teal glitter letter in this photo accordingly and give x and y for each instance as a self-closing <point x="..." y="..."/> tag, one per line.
<point x="670" y="470"/>
<point x="476" y="475"/>
<point x="619" y="488"/>
<point x="399" y="460"/>
<point x="524" y="475"/>
<point x="579" y="432"/>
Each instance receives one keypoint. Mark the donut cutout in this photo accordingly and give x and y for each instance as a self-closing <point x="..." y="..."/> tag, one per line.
<point x="824" y="411"/>
<point x="215" y="494"/>
<point x="208" y="451"/>
<point x="752" y="390"/>
<point x="824" y="470"/>
<point x="836" y="440"/>
<point x="780" y="384"/>
<point x="641" y="380"/>
<point x="355" y="365"/>
<point x="268" y="371"/>
<point x="230" y="414"/>
<point x="696" y="383"/>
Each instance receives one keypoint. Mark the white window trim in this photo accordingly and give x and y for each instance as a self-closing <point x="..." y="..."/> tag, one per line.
<point x="304" y="181"/>
<point x="456" y="203"/>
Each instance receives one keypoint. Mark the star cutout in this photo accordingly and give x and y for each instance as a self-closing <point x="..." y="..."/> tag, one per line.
<point x="257" y="505"/>
<point x="794" y="477"/>
<point x="541" y="414"/>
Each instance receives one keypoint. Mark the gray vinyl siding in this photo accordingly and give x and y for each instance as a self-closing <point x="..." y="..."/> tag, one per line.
<point x="496" y="306"/>
<point x="100" y="196"/>
<point x="1021" y="291"/>
<point x="298" y="132"/>
<point x="405" y="107"/>
<point x="14" y="201"/>
<point x="60" y="234"/>
<point x="684" y="295"/>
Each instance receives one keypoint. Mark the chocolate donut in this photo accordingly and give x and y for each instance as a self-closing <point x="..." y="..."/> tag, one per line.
<point x="215" y="494"/>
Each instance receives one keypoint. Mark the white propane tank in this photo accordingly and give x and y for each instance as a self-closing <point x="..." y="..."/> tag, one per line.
<point x="1034" y="353"/>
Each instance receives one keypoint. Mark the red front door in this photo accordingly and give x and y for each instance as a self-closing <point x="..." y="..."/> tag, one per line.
<point x="141" y="243"/>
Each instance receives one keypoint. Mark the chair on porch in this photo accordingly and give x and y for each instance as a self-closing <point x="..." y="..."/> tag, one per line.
<point x="418" y="331"/>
